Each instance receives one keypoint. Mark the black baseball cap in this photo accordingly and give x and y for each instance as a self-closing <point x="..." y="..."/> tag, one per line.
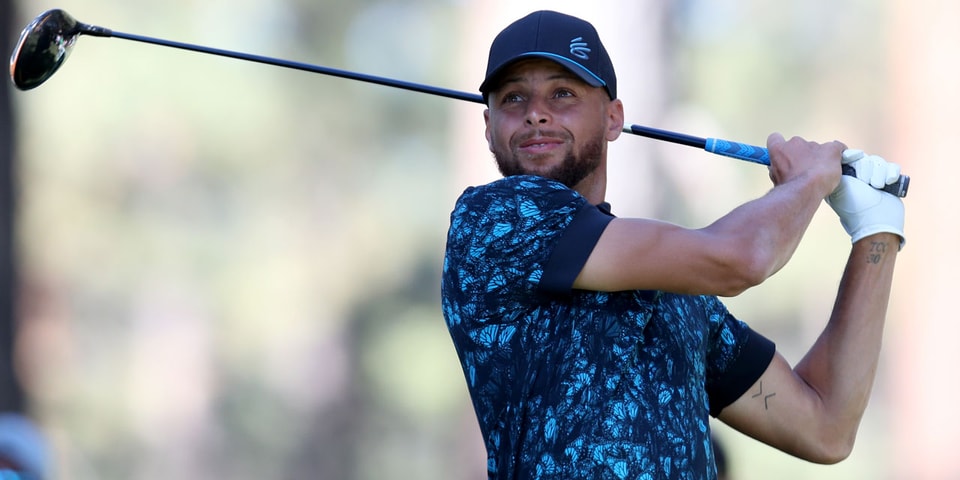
<point x="567" y="40"/>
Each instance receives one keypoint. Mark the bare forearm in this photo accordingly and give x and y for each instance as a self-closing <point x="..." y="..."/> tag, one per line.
<point x="770" y="228"/>
<point x="804" y="173"/>
<point x="738" y="251"/>
<point x="841" y="365"/>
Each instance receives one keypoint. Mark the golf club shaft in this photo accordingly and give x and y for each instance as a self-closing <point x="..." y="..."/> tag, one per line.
<point x="102" y="32"/>
<point x="741" y="151"/>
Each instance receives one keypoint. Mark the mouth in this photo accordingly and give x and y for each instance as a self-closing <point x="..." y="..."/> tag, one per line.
<point x="539" y="145"/>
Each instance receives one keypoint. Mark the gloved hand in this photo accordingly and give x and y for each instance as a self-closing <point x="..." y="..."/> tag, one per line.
<point x="871" y="169"/>
<point x="864" y="210"/>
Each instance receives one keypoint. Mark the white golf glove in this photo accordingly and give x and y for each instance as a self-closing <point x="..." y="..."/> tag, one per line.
<point x="864" y="210"/>
<point x="871" y="169"/>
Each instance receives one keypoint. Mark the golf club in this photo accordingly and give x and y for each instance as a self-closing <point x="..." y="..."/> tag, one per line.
<point x="48" y="40"/>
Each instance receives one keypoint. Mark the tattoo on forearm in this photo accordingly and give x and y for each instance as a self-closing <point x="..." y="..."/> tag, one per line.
<point x="877" y="250"/>
<point x="766" y="398"/>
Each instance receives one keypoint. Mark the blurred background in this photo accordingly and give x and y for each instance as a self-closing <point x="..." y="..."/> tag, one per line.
<point x="218" y="269"/>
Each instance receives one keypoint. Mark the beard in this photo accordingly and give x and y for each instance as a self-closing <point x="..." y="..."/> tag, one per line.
<point x="576" y="165"/>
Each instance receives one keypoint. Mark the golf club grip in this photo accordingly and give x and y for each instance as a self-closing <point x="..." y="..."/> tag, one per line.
<point x="755" y="154"/>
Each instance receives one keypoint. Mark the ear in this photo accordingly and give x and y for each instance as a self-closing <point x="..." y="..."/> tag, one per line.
<point x="614" y="119"/>
<point x="486" y="131"/>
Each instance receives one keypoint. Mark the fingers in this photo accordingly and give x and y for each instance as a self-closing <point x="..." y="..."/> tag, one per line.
<point x="775" y="139"/>
<point x="871" y="169"/>
<point x="804" y="160"/>
<point x="851" y="155"/>
<point x="893" y="173"/>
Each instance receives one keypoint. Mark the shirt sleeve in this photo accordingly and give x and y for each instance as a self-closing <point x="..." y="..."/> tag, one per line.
<point x="737" y="357"/>
<point x="503" y="236"/>
<point x="572" y="250"/>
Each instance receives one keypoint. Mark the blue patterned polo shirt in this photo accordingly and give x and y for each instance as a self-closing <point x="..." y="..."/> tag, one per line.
<point x="579" y="384"/>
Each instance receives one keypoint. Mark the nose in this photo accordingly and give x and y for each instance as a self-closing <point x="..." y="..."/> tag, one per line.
<point x="538" y="113"/>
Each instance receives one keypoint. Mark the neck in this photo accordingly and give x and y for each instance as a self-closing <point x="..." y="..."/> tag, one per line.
<point x="594" y="186"/>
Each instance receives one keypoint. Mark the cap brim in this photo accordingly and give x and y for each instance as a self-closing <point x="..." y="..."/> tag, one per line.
<point x="490" y="83"/>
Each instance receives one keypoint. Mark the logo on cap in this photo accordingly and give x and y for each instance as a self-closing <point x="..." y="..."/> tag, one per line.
<point x="579" y="48"/>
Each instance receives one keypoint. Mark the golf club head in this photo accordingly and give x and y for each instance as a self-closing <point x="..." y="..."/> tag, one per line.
<point x="43" y="46"/>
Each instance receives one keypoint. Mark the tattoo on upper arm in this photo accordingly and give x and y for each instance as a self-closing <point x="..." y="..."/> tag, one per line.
<point x="877" y="250"/>
<point x="766" y="398"/>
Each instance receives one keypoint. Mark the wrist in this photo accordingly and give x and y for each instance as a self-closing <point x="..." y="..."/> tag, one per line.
<point x="881" y="241"/>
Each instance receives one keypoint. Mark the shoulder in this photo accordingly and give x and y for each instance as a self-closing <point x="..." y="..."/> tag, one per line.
<point x="519" y="186"/>
<point x="518" y="200"/>
<point x="521" y="197"/>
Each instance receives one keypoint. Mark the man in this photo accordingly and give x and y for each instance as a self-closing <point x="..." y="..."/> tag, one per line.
<point x="595" y="346"/>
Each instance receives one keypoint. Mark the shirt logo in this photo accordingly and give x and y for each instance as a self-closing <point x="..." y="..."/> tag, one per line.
<point x="579" y="48"/>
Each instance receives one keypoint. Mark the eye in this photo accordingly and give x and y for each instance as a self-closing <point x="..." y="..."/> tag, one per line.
<point x="512" y="98"/>
<point x="563" y="93"/>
